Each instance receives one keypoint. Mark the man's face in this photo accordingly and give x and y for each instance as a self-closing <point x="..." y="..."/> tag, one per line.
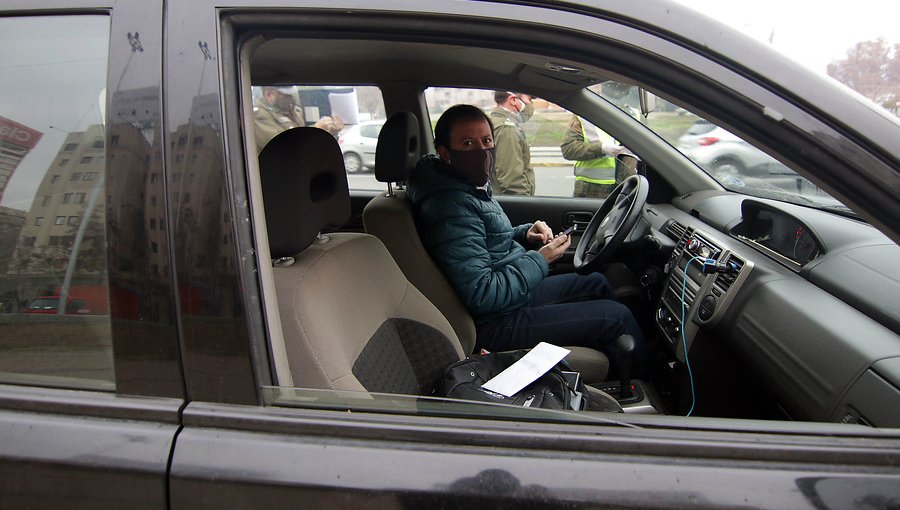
<point x="281" y="101"/>
<point x="468" y="135"/>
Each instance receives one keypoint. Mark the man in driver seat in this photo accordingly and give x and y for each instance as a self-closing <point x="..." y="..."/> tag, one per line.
<point x="504" y="284"/>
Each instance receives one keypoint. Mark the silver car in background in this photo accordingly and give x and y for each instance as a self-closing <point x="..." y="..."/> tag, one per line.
<point x="358" y="145"/>
<point x="737" y="164"/>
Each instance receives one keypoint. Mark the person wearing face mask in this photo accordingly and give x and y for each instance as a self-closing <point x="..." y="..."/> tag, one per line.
<point x="501" y="272"/>
<point x="514" y="174"/>
<point x="277" y="110"/>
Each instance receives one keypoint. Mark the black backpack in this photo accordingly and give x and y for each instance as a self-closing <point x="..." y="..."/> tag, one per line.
<point x="556" y="389"/>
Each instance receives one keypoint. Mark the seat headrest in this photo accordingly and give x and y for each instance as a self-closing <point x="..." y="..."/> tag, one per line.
<point x="304" y="188"/>
<point x="397" y="151"/>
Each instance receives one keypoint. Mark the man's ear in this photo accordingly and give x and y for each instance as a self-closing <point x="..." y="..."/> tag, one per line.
<point x="444" y="154"/>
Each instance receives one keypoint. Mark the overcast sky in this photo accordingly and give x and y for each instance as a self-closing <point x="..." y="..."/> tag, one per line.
<point x="811" y="32"/>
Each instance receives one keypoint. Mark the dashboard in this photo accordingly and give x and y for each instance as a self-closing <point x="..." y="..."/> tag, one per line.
<point x="808" y="300"/>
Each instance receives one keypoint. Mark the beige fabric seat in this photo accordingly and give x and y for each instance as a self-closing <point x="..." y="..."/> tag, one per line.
<point x="390" y="218"/>
<point x="351" y="320"/>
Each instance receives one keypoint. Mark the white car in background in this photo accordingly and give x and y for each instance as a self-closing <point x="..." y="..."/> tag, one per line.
<point x="723" y="154"/>
<point x="358" y="145"/>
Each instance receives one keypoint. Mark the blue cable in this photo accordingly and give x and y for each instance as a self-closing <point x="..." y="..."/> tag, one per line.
<point x="683" y="338"/>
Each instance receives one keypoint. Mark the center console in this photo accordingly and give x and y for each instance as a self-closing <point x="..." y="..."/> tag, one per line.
<point x="703" y="278"/>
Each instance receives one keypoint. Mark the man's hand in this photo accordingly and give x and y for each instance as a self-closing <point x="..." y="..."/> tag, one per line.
<point x="555" y="249"/>
<point x="539" y="233"/>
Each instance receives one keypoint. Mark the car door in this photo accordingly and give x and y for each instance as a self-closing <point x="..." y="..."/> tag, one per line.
<point x="89" y="395"/>
<point x="250" y="438"/>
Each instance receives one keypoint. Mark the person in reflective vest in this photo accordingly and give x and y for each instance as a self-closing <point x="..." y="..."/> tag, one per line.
<point x="594" y="153"/>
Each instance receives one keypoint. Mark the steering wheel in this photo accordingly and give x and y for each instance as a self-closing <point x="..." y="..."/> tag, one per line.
<point x="611" y="223"/>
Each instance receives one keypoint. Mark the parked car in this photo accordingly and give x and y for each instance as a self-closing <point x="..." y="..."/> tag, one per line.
<point x="724" y="154"/>
<point x="358" y="145"/>
<point x="232" y="371"/>
<point x="50" y="305"/>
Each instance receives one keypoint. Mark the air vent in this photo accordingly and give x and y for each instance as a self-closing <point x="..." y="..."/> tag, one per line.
<point x="725" y="280"/>
<point x="675" y="230"/>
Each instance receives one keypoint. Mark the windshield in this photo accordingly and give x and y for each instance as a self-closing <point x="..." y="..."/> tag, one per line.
<point x="733" y="162"/>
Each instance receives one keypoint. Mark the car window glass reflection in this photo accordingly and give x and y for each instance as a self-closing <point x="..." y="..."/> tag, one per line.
<point x="734" y="163"/>
<point x="54" y="297"/>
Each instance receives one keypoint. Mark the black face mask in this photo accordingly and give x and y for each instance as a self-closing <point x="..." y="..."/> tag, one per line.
<point x="285" y="103"/>
<point x="475" y="166"/>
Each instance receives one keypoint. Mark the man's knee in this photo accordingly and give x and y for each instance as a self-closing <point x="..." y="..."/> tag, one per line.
<point x="599" y="284"/>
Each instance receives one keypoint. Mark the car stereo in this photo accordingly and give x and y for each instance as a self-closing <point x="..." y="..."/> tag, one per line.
<point x="703" y="279"/>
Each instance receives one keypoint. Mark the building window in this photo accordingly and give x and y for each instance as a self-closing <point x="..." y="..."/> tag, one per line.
<point x="98" y="144"/>
<point x="76" y="176"/>
<point x="38" y="221"/>
<point x="198" y="141"/>
<point x="70" y="147"/>
<point x="85" y="160"/>
<point x="79" y="198"/>
<point x="162" y="224"/>
<point x="74" y="221"/>
<point x="60" y="220"/>
<point x="114" y="140"/>
<point x="63" y="162"/>
<point x="154" y="247"/>
<point x="55" y="178"/>
<point x="152" y="223"/>
<point x="67" y="198"/>
<point x="47" y="199"/>
<point x="90" y="176"/>
<point x="182" y="141"/>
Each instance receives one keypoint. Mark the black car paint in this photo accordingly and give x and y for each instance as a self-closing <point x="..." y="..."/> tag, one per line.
<point x="185" y="431"/>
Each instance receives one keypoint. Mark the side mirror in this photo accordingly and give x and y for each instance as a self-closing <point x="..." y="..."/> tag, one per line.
<point x="648" y="102"/>
<point x="628" y="165"/>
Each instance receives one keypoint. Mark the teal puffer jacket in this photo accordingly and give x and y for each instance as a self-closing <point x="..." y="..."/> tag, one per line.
<point x="471" y="239"/>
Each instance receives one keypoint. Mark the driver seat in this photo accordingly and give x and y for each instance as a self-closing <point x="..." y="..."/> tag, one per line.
<point x="390" y="217"/>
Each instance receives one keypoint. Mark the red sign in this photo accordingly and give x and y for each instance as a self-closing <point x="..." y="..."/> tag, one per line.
<point x="18" y="134"/>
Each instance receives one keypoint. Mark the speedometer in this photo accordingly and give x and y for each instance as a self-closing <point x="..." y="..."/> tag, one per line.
<point x="805" y="246"/>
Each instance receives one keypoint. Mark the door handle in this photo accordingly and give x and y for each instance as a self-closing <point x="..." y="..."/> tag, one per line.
<point x="578" y="219"/>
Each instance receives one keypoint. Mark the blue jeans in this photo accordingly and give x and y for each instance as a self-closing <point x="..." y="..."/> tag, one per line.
<point x="566" y="310"/>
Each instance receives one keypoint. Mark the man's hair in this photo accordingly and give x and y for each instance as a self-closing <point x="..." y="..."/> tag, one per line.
<point x="452" y="117"/>
<point x="500" y="96"/>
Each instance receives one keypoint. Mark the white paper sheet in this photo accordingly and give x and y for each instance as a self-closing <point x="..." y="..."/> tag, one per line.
<point x="523" y="372"/>
<point x="346" y="106"/>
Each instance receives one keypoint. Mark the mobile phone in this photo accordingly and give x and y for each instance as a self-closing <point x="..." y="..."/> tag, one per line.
<point x="567" y="231"/>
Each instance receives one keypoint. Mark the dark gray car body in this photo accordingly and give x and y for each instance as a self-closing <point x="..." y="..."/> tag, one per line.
<point x="185" y="428"/>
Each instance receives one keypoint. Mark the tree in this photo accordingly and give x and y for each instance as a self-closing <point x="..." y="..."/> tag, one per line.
<point x="871" y="68"/>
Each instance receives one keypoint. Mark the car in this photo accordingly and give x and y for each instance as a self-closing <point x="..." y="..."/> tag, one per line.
<point x="731" y="159"/>
<point x="50" y="305"/>
<point x="358" y="145"/>
<point x="722" y="153"/>
<point x="236" y="368"/>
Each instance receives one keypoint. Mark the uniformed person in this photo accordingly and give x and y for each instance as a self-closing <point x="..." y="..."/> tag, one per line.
<point x="275" y="111"/>
<point x="513" y="174"/>
<point x="594" y="152"/>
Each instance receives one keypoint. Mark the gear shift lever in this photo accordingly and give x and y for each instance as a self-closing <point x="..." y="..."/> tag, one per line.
<point x="625" y="346"/>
